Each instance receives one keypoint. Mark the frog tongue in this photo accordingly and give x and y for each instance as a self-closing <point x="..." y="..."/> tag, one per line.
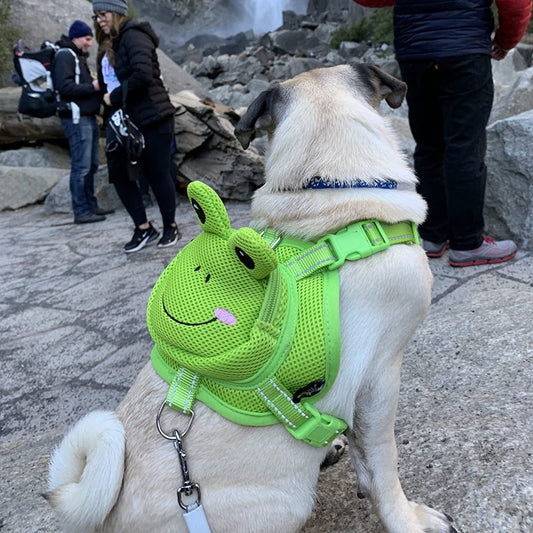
<point x="225" y="316"/>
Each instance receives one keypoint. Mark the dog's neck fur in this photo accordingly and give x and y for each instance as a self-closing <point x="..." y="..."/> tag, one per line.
<point x="347" y="142"/>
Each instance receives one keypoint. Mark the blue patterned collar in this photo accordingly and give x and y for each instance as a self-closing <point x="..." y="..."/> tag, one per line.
<point x="317" y="182"/>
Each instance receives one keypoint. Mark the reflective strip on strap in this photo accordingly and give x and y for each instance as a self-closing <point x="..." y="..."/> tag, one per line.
<point x="356" y="241"/>
<point x="302" y="419"/>
<point x="183" y="390"/>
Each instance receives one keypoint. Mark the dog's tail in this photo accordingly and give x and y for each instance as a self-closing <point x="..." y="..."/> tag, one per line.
<point x="86" y="471"/>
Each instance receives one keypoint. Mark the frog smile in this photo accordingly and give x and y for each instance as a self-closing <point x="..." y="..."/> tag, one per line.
<point x="221" y="314"/>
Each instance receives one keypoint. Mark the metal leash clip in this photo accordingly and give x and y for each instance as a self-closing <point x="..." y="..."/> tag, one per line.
<point x="188" y="487"/>
<point x="194" y="514"/>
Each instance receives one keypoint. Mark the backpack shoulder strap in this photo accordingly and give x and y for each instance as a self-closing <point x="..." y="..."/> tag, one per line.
<point x="77" y="62"/>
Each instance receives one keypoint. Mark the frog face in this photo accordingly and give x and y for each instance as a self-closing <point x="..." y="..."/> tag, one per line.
<point x="209" y="297"/>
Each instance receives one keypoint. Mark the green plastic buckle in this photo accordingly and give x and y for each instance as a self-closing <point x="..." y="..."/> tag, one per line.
<point x="352" y="242"/>
<point x="318" y="430"/>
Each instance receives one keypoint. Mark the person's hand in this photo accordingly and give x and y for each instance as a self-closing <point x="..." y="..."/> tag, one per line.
<point x="498" y="52"/>
<point x="107" y="99"/>
<point x="96" y="85"/>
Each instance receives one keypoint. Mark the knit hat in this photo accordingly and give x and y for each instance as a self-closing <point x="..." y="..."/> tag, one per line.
<point x="117" y="6"/>
<point x="79" y="29"/>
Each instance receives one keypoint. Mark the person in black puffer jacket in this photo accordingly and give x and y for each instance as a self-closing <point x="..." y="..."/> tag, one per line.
<point x="444" y="49"/>
<point x="131" y="79"/>
<point x="81" y="97"/>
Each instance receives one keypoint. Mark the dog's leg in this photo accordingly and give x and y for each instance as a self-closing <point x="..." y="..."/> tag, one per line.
<point x="374" y="453"/>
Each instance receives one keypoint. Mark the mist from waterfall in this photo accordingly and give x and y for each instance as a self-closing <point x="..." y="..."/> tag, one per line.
<point x="267" y="15"/>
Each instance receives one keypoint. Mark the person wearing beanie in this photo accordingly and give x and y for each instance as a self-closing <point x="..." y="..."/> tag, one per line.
<point x="79" y="29"/>
<point x="80" y="103"/>
<point x="116" y="6"/>
<point x="130" y="77"/>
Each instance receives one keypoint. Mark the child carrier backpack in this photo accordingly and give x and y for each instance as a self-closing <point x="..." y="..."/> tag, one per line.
<point x="34" y="70"/>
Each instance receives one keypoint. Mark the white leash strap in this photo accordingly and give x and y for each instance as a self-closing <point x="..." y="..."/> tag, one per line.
<point x="196" y="520"/>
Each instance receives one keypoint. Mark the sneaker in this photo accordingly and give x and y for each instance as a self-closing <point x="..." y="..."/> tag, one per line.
<point x="141" y="237"/>
<point x="102" y="211"/>
<point x="434" y="249"/>
<point x="171" y="236"/>
<point x="89" y="218"/>
<point x="489" y="252"/>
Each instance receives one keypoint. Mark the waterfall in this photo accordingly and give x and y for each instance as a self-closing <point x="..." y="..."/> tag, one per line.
<point x="267" y="14"/>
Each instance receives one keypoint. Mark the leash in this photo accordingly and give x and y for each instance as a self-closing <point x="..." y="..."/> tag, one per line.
<point x="193" y="514"/>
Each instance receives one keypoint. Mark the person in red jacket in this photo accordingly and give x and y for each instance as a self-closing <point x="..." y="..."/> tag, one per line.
<point x="444" y="50"/>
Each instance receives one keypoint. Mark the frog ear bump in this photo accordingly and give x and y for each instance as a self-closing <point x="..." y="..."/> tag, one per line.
<point x="209" y="209"/>
<point x="253" y="252"/>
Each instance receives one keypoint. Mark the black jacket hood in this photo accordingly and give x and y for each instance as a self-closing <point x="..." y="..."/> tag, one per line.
<point x="141" y="26"/>
<point x="65" y="42"/>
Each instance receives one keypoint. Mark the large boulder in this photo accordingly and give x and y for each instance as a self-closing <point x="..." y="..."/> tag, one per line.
<point x="509" y="201"/>
<point x="23" y="186"/>
<point x="59" y="200"/>
<point x="48" y="155"/>
<point x="175" y="78"/>
<point x="28" y="174"/>
<point x="207" y="150"/>
<point x="49" y="19"/>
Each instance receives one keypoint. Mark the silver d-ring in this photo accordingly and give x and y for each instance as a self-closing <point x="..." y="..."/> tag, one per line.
<point x="174" y="436"/>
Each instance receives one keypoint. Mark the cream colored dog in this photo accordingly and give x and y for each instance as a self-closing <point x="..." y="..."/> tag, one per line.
<point x="114" y="472"/>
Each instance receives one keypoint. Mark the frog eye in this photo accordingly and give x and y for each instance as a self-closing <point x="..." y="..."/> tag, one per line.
<point x="253" y="252"/>
<point x="198" y="210"/>
<point x="244" y="258"/>
<point x="209" y="209"/>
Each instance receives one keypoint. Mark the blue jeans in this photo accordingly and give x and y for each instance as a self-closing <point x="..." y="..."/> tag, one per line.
<point x="83" y="142"/>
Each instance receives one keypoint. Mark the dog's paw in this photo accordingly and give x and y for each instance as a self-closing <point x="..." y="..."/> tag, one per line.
<point x="433" y="521"/>
<point x="335" y="451"/>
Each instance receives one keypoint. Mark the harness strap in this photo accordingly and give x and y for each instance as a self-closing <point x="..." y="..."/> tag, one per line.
<point x="302" y="419"/>
<point x="356" y="241"/>
<point x="183" y="390"/>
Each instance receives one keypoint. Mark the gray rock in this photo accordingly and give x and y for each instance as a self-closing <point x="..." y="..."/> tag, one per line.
<point x="297" y="42"/>
<point x="291" y="21"/>
<point x="176" y="79"/>
<point x="264" y="56"/>
<point x="514" y="99"/>
<point x="23" y="186"/>
<point x="233" y="173"/>
<point x="504" y="72"/>
<point x="526" y="50"/>
<point x="209" y="67"/>
<point x="217" y="158"/>
<point x="48" y="155"/>
<point x="323" y="32"/>
<point x="334" y="58"/>
<point x="348" y="49"/>
<point x="297" y="65"/>
<point x="256" y="86"/>
<point x="59" y="199"/>
<point x="509" y="201"/>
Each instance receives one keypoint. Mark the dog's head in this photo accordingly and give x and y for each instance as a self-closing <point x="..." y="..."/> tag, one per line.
<point x="365" y="81"/>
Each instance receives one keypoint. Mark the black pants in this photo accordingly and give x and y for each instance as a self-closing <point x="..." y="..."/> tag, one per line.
<point x="449" y="101"/>
<point x="155" y="166"/>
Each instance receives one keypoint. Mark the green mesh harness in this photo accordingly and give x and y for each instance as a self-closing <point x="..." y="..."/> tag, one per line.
<point x="248" y="323"/>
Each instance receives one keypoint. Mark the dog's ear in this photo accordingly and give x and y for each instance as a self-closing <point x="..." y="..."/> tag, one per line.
<point x="388" y="87"/>
<point x="260" y="107"/>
